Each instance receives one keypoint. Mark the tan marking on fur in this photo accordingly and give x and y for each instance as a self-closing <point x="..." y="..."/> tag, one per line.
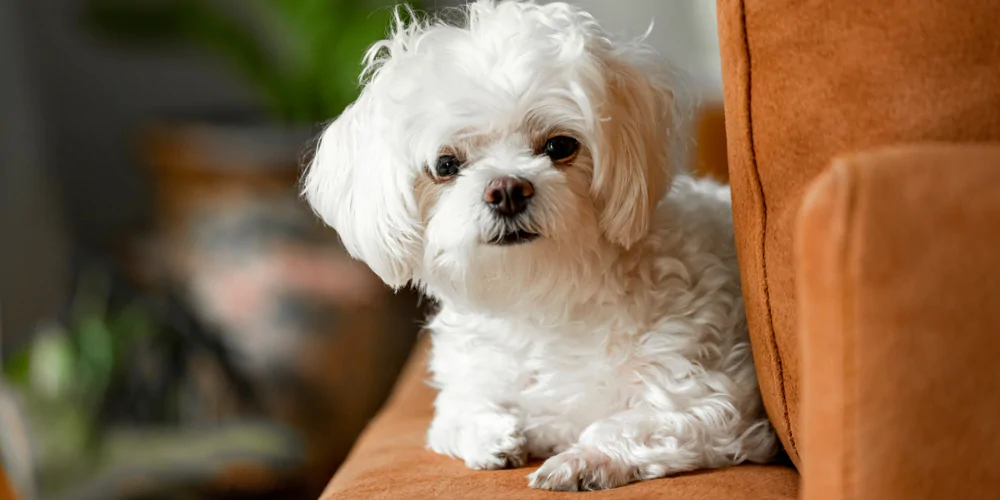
<point x="427" y="190"/>
<point x="629" y="181"/>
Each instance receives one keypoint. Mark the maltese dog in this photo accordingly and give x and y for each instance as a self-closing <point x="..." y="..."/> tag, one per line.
<point x="516" y="168"/>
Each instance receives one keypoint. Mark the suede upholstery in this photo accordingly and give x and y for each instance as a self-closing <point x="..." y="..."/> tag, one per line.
<point x="806" y="81"/>
<point x="390" y="461"/>
<point x="900" y="296"/>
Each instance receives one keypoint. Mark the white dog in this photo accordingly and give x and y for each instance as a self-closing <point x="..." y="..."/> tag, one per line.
<point x="516" y="168"/>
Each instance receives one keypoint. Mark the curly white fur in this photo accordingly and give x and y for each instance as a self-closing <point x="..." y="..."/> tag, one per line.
<point x="615" y="344"/>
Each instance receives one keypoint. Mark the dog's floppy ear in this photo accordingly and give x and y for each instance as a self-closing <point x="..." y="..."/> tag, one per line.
<point x="359" y="183"/>
<point x="631" y="163"/>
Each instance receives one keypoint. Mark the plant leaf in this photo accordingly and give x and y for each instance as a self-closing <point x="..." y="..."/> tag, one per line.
<point x="53" y="364"/>
<point x="236" y="43"/>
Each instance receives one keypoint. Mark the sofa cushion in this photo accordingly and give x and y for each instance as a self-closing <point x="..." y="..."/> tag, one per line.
<point x="805" y="81"/>
<point x="897" y="270"/>
<point x="390" y="461"/>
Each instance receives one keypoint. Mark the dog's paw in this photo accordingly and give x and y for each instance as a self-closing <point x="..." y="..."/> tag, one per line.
<point x="494" y="441"/>
<point x="581" y="469"/>
<point x="485" y="441"/>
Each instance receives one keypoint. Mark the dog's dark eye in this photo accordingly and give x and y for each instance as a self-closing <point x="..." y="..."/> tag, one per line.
<point x="447" y="166"/>
<point x="561" y="147"/>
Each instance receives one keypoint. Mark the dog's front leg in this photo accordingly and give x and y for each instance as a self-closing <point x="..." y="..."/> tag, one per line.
<point x="484" y="433"/>
<point x="643" y="443"/>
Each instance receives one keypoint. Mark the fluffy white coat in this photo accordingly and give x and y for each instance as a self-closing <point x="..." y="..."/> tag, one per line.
<point x="614" y="344"/>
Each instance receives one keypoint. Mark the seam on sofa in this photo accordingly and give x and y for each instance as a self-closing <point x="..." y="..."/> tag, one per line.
<point x="759" y="187"/>
<point x="848" y="255"/>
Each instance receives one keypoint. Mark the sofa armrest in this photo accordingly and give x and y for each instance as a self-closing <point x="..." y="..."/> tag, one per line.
<point x="898" y="268"/>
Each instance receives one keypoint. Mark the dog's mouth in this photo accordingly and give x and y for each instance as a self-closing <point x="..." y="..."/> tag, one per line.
<point x="517" y="237"/>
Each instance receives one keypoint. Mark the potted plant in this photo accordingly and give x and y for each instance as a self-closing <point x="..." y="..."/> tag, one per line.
<point x="105" y="399"/>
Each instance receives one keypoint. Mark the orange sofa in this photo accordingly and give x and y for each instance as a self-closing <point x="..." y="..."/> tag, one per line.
<point x="865" y="170"/>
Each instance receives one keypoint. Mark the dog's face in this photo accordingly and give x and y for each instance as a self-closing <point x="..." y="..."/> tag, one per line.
<point x="498" y="161"/>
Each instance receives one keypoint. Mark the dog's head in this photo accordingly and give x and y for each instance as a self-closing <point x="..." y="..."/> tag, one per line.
<point x="507" y="152"/>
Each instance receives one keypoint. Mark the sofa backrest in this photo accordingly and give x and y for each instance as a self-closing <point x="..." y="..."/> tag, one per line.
<point x="807" y="80"/>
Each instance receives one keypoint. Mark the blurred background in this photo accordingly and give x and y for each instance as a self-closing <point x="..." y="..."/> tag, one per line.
<point x="174" y="323"/>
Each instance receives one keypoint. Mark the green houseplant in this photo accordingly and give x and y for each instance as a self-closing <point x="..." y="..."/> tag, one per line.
<point x="99" y="403"/>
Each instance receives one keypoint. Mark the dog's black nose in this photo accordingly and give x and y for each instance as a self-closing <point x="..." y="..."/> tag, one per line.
<point x="508" y="196"/>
